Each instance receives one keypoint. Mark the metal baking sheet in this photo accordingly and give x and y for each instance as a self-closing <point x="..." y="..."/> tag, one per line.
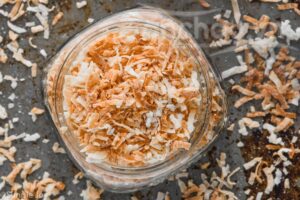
<point x="29" y="92"/>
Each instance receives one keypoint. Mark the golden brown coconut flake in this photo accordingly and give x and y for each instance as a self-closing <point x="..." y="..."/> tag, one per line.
<point x="37" y="111"/>
<point x="3" y="56"/>
<point x="284" y="124"/>
<point x="287" y="6"/>
<point x="204" y="4"/>
<point x="57" y="18"/>
<point x="256" y="114"/>
<point x="91" y="193"/>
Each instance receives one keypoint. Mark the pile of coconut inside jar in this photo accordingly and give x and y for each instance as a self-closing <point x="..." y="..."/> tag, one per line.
<point x="132" y="98"/>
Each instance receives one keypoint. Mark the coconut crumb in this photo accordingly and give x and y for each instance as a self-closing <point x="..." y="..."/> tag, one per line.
<point x="81" y="4"/>
<point x="90" y="20"/>
<point x="3" y="113"/>
<point x="3" y="56"/>
<point x="77" y="177"/>
<point x="57" y="149"/>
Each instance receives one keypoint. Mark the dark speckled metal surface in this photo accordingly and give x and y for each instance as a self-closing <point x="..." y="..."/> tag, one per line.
<point x="29" y="91"/>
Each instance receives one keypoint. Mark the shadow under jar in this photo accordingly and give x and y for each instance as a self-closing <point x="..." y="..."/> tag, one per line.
<point x="211" y="106"/>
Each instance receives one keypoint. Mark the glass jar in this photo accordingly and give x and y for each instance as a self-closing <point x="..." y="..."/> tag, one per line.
<point x="212" y="108"/>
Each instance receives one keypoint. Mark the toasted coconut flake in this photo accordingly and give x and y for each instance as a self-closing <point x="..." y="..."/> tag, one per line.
<point x="90" y="20"/>
<point x="250" y="123"/>
<point x="13" y="81"/>
<point x="34" y="70"/>
<point x="272" y="91"/>
<point x="255" y="114"/>
<point x="272" y="137"/>
<point x="77" y="177"/>
<point x="244" y="91"/>
<point x="273" y="31"/>
<point x="236" y="11"/>
<point x="30" y="43"/>
<point x="182" y="185"/>
<point x="230" y="175"/>
<point x="204" y="4"/>
<point x="81" y="4"/>
<point x="160" y="196"/>
<point x="37" y="111"/>
<point x="231" y="127"/>
<point x="284" y="125"/>
<point x="295" y="84"/>
<point x="227" y="14"/>
<point x="259" y="196"/>
<point x="44" y="21"/>
<point x="278" y="177"/>
<point x="264" y="46"/>
<point x="57" y="149"/>
<point x="17" y="11"/>
<point x="30" y="24"/>
<point x="287" y="31"/>
<point x="43" y="53"/>
<point x="57" y="18"/>
<point x="274" y="78"/>
<point x="9" y="154"/>
<point x="3" y="56"/>
<point x="4" y="13"/>
<point x="32" y="138"/>
<point x="18" y="53"/>
<point x="242" y="101"/>
<point x="15" y="28"/>
<point x="91" y="193"/>
<point x="270" y="179"/>
<point x="220" y="43"/>
<point x="280" y="112"/>
<point x="240" y="144"/>
<point x="243" y="30"/>
<point x="37" y="29"/>
<point x="233" y="71"/>
<point x="297" y="11"/>
<point x="287" y="184"/>
<point x="12" y="36"/>
<point x="252" y="163"/>
<point x="205" y="165"/>
<point x="3" y="113"/>
<point x="287" y="6"/>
